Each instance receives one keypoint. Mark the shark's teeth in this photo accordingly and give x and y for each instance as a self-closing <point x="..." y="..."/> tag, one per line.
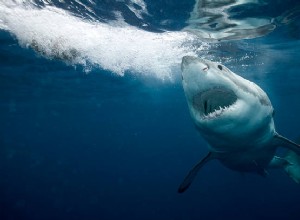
<point x="218" y="112"/>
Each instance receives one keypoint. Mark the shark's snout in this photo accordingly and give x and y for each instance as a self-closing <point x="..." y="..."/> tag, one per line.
<point x="187" y="60"/>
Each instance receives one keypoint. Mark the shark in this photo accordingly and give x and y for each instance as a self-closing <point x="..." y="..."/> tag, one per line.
<point x="236" y="118"/>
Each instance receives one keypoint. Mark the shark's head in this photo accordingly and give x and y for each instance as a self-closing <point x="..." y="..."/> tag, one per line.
<point x="225" y="106"/>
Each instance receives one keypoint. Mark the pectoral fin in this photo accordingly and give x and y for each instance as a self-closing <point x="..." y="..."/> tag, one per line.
<point x="192" y="174"/>
<point x="286" y="143"/>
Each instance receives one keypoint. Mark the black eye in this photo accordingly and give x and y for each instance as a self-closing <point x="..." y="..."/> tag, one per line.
<point x="220" y="67"/>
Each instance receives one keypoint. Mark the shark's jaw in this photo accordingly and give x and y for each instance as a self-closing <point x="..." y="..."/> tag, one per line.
<point x="214" y="102"/>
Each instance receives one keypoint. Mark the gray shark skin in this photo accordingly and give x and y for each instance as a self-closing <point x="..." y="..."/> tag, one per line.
<point x="235" y="117"/>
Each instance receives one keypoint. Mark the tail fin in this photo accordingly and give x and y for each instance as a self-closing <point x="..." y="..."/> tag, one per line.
<point x="293" y="168"/>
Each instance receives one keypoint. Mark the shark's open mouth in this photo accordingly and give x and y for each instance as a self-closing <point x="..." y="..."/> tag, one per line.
<point x="213" y="102"/>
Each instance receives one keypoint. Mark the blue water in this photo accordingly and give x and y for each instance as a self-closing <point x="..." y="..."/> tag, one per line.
<point x="93" y="119"/>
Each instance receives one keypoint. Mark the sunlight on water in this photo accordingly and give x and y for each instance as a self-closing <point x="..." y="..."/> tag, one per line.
<point x="211" y="20"/>
<point x="78" y="36"/>
<point x="115" y="46"/>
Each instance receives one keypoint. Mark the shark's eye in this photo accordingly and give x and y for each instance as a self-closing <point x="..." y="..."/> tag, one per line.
<point x="205" y="68"/>
<point x="220" y="67"/>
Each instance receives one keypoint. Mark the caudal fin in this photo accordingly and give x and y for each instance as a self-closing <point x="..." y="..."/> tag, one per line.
<point x="293" y="168"/>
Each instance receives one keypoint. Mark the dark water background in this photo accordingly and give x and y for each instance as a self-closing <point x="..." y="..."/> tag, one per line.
<point x="78" y="145"/>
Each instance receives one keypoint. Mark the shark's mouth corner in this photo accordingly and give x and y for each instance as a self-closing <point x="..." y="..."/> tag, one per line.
<point x="214" y="102"/>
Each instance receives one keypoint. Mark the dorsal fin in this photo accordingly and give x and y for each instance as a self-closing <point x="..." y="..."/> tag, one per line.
<point x="193" y="172"/>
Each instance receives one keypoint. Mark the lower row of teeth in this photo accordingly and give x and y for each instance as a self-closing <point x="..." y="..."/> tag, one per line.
<point x="217" y="111"/>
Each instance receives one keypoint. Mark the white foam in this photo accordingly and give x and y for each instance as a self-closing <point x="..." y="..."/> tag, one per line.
<point x="116" y="47"/>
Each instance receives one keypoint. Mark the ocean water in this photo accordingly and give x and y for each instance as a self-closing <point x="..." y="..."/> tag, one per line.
<point x="93" y="119"/>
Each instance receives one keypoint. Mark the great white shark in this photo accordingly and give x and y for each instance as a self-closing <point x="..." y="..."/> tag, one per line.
<point x="235" y="117"/>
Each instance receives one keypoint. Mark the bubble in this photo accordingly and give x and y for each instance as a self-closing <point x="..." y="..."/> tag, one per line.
<point x="114" y="46"/>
